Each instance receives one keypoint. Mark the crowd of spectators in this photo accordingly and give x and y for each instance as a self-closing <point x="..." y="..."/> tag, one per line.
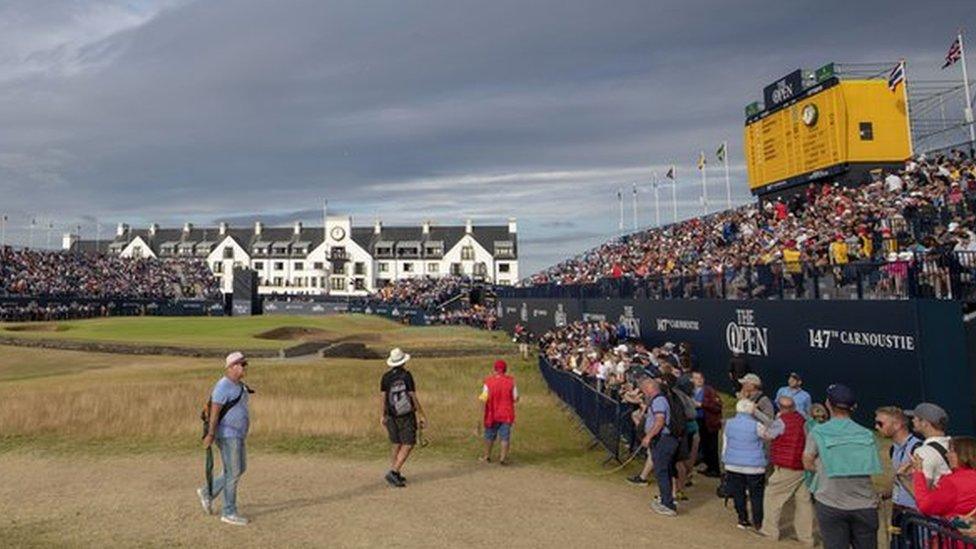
<point x="60" y="311"/>
<point x="926" y="209"/>
<point x="49" y="274"/>
<point x="776" y="448"/>
<point x="477" y="316"/>
<point x="426" y="293"/>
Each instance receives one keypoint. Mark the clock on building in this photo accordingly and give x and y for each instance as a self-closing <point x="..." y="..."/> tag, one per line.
<point x="338" y="233"/>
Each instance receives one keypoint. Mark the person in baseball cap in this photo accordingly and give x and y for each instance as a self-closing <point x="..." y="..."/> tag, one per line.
<point x="499" y="393"/>
<point x="752" y="389"/>
<point x="844" y="456"/>
<point x="930" y="421"/>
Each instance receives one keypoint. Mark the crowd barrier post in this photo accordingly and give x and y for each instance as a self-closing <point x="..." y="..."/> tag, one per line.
<point x="915" y="531"/>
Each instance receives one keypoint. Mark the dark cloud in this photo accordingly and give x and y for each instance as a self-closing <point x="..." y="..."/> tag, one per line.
<point x="190" y="110"/>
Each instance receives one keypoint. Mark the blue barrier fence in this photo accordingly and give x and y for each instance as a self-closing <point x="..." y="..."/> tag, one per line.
<point x="605" y="418"/>
<point x="915" y="531"/>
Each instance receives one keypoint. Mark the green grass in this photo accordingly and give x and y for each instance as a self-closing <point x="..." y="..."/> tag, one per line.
<point x="242" y="332"/>
<point x="69" y="402"/>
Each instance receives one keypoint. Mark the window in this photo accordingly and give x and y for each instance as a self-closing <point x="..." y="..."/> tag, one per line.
<point x="384" y="251"/>
<point x="383" y="267"/>
<point x="168" y="250"/>
<point x="258" y="265"/>
<point x="228" y="252"/>
<point x="299" y="266"/>
<point x="434" y="251"/>
<point x="456" y="269"/>
<point x="337" y="284"/>
<point x="408" y="267"/>
<point x="467" y="253"/>
<point x="281" y="250"/>
<point x="277" y="281"/>
<point x="866" y="131"/>
<point x="218" y="266"/>
<point x="504" y="249"/>
<point x="503" y="267"/>
<point x="359" y="284"/>
<point x="318" y="266"/>
<point x="298" y="250"/>
<point x="279" y="265"/>
<point x="260" y="250"/>
<point x="137" y="252"/>
<point x="315" y="281"/>
<point x="359" y="268"/>
<point x="433" y="268"/>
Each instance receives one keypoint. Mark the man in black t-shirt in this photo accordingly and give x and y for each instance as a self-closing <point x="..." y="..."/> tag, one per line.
<point x="399" y="408"/>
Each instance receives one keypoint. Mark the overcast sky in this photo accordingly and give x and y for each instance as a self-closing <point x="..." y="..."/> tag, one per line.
<point x="173" y="111"/>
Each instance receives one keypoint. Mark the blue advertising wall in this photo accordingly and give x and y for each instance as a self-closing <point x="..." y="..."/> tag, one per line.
<point x="889" y="352"/>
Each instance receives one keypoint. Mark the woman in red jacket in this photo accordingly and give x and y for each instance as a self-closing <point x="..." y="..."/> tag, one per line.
<point x="955" y="493"/>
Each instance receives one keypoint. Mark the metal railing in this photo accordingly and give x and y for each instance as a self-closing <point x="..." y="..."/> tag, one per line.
<point x="915" y="531"/>
<point x="606" y="419"/>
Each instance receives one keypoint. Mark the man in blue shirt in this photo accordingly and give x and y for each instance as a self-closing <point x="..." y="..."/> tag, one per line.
<point x="229" y="421"/>
<point x="663" y="445"/>
<point x="793" y="389"/>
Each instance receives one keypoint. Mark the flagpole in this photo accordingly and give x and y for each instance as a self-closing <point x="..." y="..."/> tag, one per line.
<point x="908" y="113"/>
<point x="620" y="200"/>
<point x="728" y="181"/>
<point x="32" y="234"/>
<point x="3" y="231"/>
<point x="657" y="202"/>
<point x="674" y="194"/>
<point x="635" y="207"/>
<point x="965" y="81"/>
<point x="704" y="184"/>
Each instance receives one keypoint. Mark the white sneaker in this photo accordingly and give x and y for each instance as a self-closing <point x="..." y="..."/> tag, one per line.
<point x="236" y="520"/>
<point x="661" y="509"/>
<point x="206" y="502"/>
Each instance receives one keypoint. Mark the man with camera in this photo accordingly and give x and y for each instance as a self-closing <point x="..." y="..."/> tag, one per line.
<point x="399" y="408"/>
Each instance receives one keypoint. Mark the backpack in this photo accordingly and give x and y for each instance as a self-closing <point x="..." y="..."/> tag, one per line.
<point x="398" y="401"/>
<point x="205" y="414"/>
<point x="679" y="419"/>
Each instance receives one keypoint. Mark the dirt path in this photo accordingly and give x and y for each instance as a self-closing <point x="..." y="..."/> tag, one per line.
<point x="321" y="501"/>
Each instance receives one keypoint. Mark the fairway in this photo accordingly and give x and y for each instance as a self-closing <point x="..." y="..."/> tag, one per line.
<point x="258" y="332"/>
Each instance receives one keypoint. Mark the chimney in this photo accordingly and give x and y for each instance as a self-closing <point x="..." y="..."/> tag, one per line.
<point x="257" y="228"/>
<point x="512" y="228"/>
<point x="153" y="227"/>
<point x="377" y="226"/>
<point x="68" y="240"/>
<point x="222" y="228"/>
<point x="426" y="227"/>
<point x="121" y="230"/>
<point x="468" y="228"/>
<point x="187" y="227"/>
<point x="298" y="228"/>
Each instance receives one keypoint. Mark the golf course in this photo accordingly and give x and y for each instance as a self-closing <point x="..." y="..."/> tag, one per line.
<point x="102" y="449"/>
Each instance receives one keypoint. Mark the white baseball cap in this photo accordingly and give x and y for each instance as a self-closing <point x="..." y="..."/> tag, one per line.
<point x="234" y="358"/>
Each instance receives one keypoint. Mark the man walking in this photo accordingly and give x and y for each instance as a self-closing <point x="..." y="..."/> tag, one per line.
<point x="399" y="409"/>
<point x="663" y="445"/>
<point x="843" y="455"/>
<point x="499" y="394"/>
<point x="228" y="423"/>
<point x="788" y="437"/>
<point x="802" y="400"/>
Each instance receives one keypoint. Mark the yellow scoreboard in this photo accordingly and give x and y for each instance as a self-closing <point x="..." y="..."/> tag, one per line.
<point x="825" y="131"/>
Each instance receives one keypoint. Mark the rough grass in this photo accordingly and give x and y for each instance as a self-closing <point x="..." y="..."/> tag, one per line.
<point x="245" y="332"/>
<point x="68" y="402"/>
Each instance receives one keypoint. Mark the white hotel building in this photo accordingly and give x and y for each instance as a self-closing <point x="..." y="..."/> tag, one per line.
<point x="340" y="260"/>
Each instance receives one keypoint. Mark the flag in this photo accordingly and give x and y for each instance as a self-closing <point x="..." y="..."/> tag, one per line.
<point x="720" y="153"/>
<point x="896" y="76"/>
<point x="670" y="174"/>
<point x="954" y="53"/>
<point x="701" y="160"/>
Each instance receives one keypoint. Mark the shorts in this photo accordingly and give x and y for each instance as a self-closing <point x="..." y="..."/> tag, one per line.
<point x="499" y="430"/>
<point x="402" y="429"/>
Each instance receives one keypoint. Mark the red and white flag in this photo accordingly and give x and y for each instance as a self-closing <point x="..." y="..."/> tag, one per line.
<point x="954" y="53"/>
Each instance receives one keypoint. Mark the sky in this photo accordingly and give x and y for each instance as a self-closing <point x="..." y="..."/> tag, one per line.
<point x="176" y="111"/>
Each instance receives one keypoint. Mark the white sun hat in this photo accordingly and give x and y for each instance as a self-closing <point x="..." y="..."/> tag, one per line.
<point x="397" y="358"/>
